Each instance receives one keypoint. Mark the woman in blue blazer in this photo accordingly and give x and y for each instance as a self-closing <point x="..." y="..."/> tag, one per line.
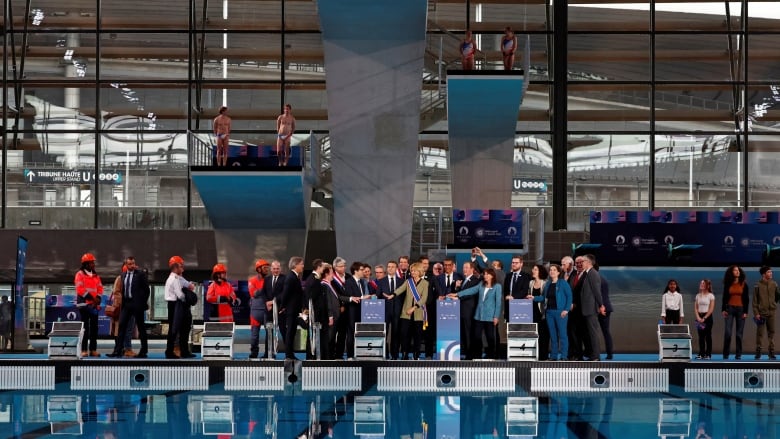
<point x="488" y="312"/>
<point x="557" y="298"/>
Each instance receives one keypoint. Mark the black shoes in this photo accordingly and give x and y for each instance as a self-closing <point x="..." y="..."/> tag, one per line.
<point x="141" y="354"/>
<point x="171" y="356"/>
<point x="115" y="355"/>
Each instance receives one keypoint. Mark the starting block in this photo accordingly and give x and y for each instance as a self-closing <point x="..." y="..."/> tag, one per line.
<point x="217" y="340"/>
<point x="65" y="340"/>
<point x="522" y="342"/>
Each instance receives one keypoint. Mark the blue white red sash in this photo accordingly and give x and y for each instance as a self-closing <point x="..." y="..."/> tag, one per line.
<point x="417" y="298"/>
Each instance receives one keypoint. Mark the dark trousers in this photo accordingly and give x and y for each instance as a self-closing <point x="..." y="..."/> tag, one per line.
<point x="734" y="316"/>
<point x="341" y="326"/>
<point x="489" y="329"/>
<point x="90" y="319"/>
<point x="330" y="336"/>
<point x="593" y="330"/>
<point x="672" y="316"/>
<point x="577" y="333"/>
<point x="126" y="317"/>
<point x="289" y="335"/>
<point x="178" y="329"/>
<point x="411" y="333"/>
<point x="705" y="336"/>
<point x="604" y="324"/>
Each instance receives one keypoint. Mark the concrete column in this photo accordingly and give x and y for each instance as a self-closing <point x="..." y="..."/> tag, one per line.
<point x="373" y="69"/>
<point x="482" y="109"/>
<point x="72" y="97"/>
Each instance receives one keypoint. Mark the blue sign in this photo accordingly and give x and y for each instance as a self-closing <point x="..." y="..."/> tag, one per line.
<point x="21" y="263"/>
<point x="521" y="311"/>
<point x="488" y="228"/>
<point x="70" y="177"/>
<point x="372" y="311"/>
<point x="448" y="330"/>
<point x="685" y="238"/>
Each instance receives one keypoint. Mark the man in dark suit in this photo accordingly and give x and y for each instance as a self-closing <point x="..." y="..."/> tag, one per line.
<point x="135" y="301"/>
<point x="292" y="300"/>
<point x="386" y="287"/>
<point x="516" y="284"/>
<point x="273" y="286"/>
<point x="353" y="291"/>
<point x="318" y="312"/>
<point x="468" y="306"/>
<point x="447" y="280"/>
<point x="340" y="329"/>
<point x="576" y="329"/>
<point x="592" y="305"/>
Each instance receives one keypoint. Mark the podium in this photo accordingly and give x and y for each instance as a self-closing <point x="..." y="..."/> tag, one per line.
<point x="674" y="343"/>
<point x="217" y="340"/>
<point x="65" y="340"/>
<point x="448" y="344"/>
<point x="370" y="332"/>
<point x="522" y="342"/>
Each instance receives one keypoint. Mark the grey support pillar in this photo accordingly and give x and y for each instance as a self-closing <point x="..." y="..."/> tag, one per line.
<point x="482" y="109"/>
<point x="373" y="71"/>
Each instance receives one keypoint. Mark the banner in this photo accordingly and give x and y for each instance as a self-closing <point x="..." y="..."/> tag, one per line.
<point x="372" y="311"/>
<point x="488" y="228"/>
<point x="21" y="263"/>
<point x="521" y="311"/>
<point x="448" y="330"/>
<point x="654" y="238"/>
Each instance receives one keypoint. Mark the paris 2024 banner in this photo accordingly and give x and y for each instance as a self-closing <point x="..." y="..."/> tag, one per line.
<point x="696" y="238"/>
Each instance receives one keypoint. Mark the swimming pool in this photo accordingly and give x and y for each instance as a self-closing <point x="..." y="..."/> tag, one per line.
<point x="390" y="415"/>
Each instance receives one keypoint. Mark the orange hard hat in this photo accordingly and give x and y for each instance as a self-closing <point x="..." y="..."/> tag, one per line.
<point x="260" y="263"/>
<point x="88" y="257"/>
<point x="219" y="268"/>
<point x="175" y="260"/>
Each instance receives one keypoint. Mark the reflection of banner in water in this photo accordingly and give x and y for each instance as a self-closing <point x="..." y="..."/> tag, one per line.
<point x="21" y="262"/>
<point x="448" y="417"/>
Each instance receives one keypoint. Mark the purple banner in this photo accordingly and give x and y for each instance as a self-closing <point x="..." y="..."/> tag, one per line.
<point x="488" y="228"/>
<point x="372" y="311"/>
<point x="521" y="311"/>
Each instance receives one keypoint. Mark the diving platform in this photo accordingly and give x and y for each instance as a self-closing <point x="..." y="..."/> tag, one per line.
<point x="482" y="111"/>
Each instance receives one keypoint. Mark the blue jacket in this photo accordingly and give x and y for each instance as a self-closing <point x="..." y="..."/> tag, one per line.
<point x="563" y="294"/>
<point x="488" y="308"/>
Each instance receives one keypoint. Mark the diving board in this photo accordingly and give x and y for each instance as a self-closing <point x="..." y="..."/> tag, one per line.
<point x="482" y="110"/>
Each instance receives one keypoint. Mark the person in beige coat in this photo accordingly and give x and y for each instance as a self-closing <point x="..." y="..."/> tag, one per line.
<point x="414" y="314"/>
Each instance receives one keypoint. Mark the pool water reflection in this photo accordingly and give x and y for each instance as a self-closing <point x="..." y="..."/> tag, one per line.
<point x="190" y="414"/>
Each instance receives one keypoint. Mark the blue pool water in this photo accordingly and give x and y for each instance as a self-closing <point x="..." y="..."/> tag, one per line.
<point x="371" y="415"/>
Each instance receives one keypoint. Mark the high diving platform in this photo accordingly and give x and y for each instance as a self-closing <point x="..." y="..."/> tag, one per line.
<point x="482" y="110"/>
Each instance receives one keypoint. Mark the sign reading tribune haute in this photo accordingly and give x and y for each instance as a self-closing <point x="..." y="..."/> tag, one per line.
<point x="64" y="176"/>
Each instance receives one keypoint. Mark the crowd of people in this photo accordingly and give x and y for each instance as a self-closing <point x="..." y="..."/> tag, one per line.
<point x="571" y="306"/>
<point x="735" y="305"/>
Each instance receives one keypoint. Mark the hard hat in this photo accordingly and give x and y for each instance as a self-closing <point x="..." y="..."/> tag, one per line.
<point x="260" y="263"/>
<point x="88" y="257"/>
<point x="219" y="268"/>
<point x="175" y="260"/>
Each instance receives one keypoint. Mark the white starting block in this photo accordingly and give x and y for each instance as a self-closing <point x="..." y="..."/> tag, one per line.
<point x="64" y="414"/>
<point x="370" y="341"/>
<point x="65" y="340"/>
<point x="522" y="342"/>
<point x="217" y="340"/>
<point x="674" y="343"/>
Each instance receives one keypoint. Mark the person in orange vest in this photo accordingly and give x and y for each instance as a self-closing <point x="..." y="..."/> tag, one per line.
<point x="221" y="294"/>
<point x="257" y="307"/>
<point x="89" y="290"/>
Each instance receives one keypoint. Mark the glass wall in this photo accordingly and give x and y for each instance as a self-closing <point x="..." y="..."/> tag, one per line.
<point x="669" y="105"/>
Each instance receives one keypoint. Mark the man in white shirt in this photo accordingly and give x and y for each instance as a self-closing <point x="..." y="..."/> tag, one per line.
<point x="177" y="326"/>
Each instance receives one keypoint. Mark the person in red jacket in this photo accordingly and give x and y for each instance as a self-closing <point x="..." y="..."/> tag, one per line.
<point x="221" y="294"/>
<point x="89" y="290"/>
